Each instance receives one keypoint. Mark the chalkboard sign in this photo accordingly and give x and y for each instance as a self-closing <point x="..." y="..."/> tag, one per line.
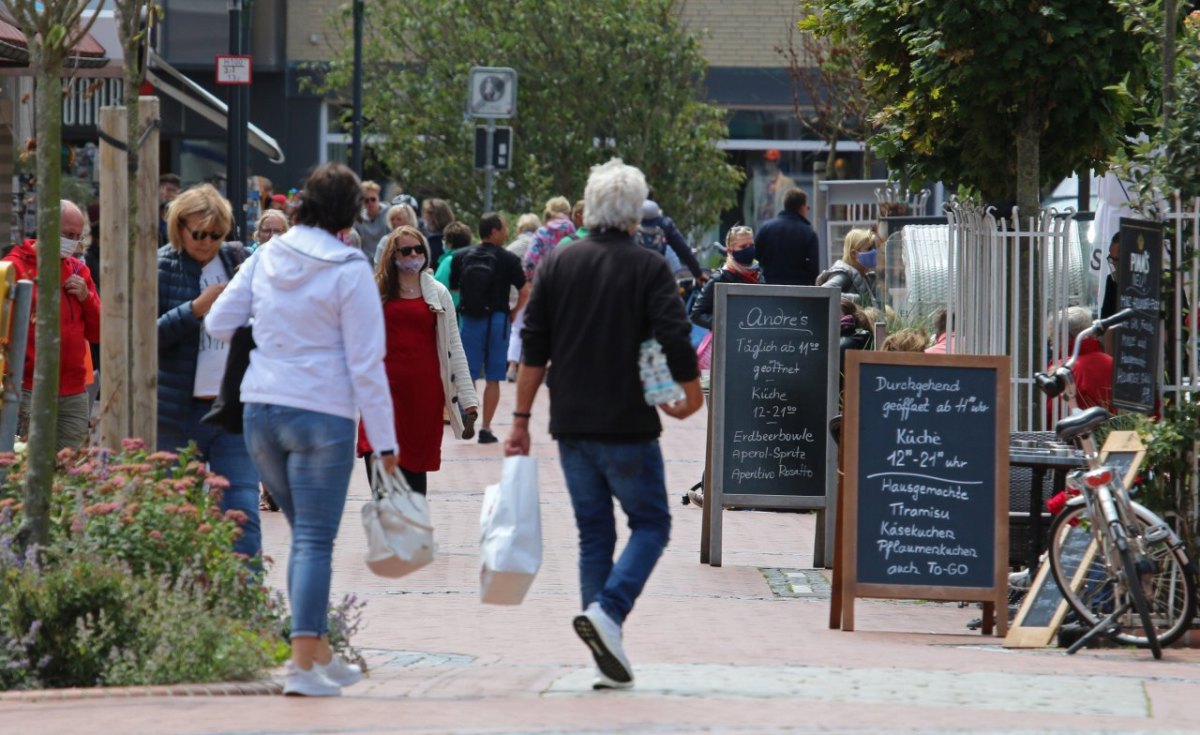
<point x="774" y="391"/>
<point x="1044" y="607"/>
<point x="1135" y="359"/>
<point x="926" y="487"/>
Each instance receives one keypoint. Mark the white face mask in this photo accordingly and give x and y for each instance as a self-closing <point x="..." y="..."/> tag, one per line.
<point x="67" y="247"/>
<point x="410" y="264"/>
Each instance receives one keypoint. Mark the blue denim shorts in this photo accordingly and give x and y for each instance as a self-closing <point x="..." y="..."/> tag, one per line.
<point x="485" y="341"/>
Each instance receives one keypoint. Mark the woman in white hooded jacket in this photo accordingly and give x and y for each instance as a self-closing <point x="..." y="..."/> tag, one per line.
<point x="318" y="363"/>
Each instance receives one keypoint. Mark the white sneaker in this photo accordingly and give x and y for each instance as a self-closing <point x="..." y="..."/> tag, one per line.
<point x="602" y="634"/>
<point x="311" y="683"/>
<point x="600" y="681"/>
<point x="339" y="672"/>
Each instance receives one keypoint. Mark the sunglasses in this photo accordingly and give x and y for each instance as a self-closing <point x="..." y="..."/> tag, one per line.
<point x="271" y="232"/>
<point x="201" y="235"/>
<point x="408" y="250"/>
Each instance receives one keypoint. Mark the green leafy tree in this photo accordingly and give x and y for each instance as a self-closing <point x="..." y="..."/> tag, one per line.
<point x="1000" y="96"/>
<point x="52" y="29"/>
<point x="596" y="79"/>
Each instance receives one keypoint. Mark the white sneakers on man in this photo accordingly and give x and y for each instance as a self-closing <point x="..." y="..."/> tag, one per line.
<point x="602" y="634"/>
<point x="322" y="680"/>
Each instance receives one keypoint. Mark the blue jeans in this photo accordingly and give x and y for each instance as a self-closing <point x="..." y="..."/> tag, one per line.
<point x="305" y="458"/>
<point x="596" y="472"/>
<point x="226" y="455"/>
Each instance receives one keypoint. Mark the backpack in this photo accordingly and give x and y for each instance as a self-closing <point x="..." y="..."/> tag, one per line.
<point x="652" y="237"/>
<point x="475" y="281"/>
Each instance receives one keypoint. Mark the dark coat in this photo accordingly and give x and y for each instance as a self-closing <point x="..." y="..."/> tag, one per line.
<point x="788" y="250"/>
<point x="702" y="308"/>
<point x="179" y="329"/>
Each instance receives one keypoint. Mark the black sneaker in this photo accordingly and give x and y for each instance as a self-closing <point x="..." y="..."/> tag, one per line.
<point x="487" y="437"/>
<point x="468" y="431"/>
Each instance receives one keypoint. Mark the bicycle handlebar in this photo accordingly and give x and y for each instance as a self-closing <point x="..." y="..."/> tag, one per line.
<point x="1054" y="383"/>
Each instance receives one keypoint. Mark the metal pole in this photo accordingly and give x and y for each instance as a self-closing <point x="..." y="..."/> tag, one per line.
<point x="235" y="171"/>
<point x="243" y="133"/>
<point x="489" y="165"/>
<point x="356" y="153"/>
<point x="14" y="369"/>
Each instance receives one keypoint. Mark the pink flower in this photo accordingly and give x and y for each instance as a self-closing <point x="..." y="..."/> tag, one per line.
<point x="204" y="528"/>
<point x="217" y="482"/>
<point x="7" y="459"/>
<point x="130" y="445"/>
<point x="236" y="516"/>
<point x="155" y="534"/>
<point x="187" y="509"/>
<point x="65" y="454"/>
<point x="164" y="457"/>
<point x="77" y="524"/>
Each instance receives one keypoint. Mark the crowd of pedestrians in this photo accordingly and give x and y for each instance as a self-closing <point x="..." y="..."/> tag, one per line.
<point x="372" y="327"/>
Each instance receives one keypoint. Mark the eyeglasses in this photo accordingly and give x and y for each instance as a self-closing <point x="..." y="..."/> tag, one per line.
<point x="201" y="235"/>
<point x="271" y="232"/>
<point x="408" y="250"/>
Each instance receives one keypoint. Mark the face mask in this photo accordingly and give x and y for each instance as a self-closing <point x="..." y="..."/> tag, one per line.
<point x="67" y="247"/>
<point x="868" y="258"/>
<point x="745" y="256"/>
<point x="410" y="264"/>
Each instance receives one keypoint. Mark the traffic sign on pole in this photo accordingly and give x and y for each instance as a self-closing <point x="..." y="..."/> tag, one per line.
<point x="492" y="92"/>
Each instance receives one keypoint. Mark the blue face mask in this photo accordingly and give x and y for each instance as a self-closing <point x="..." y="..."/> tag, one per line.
<point x="745" y="256"/>
<point x="868" y="258"/>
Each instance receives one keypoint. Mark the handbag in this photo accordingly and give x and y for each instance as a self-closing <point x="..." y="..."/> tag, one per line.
<point x="399" y="531"/>
<point x="704" y="352"/>
<point x="226" y="411"/>
<point x="510" y="527"/>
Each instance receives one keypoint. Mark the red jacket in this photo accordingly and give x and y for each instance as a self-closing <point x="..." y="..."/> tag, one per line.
<point x="80" y="320"/>
<point x="1093" y="377"/>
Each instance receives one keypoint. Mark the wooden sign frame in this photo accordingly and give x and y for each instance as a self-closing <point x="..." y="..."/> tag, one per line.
<point x="715" y="498"/>
<point x="846" y="586"/>
<point x="1022" y="636"/>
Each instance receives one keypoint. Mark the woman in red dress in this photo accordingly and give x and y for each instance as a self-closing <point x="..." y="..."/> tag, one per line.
<point x="425" y="363"/>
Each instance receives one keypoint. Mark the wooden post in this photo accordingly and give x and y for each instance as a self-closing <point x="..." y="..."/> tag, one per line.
<point x="114" y="279"/>
<point x="143" y="286"/>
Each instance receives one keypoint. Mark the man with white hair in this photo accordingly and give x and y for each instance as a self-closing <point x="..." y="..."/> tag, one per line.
<point x="79" y="312"/>
<point x="592" y="306"/>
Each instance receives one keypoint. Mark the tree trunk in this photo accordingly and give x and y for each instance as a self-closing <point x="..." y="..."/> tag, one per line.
<point x="35" y="530"/>
<point x="1029" y="136"/>
<point x="133" y="132"/>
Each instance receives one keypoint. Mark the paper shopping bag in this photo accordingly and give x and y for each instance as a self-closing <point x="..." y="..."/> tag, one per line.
<point x="510" y="528"/>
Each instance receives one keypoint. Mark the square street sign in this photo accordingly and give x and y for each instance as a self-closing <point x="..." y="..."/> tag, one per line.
<point x="233" y="70"/>
<point x="492" y="91"/>
<point x="501" y="148"/>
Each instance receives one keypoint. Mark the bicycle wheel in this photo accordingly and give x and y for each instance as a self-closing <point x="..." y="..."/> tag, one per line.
<point x="1169" y="587"/>
<point x="1132" y="584"/>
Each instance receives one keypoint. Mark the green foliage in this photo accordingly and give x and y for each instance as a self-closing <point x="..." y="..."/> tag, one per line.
<point x="596" y="79"/>
<point x="139" y="584"/>
<point x="1165" y="480"/>
<point x="1168" y="159"/>
<point x="955" y="82"/>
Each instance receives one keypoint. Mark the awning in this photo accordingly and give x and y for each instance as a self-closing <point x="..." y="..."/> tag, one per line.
<point x="172" y="82"/>
<point x="86" y="58"/>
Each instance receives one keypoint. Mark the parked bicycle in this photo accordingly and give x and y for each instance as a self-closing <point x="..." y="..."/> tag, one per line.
<point x="1134" y="581"/>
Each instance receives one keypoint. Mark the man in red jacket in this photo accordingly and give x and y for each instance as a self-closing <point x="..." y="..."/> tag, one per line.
<point x="80" y="319"/>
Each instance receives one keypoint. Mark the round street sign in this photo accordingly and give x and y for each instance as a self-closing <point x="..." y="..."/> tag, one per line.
<point x="492" y="92"/>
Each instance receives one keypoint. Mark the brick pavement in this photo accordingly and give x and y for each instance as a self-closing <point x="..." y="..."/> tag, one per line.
<point x="715" y="650"/>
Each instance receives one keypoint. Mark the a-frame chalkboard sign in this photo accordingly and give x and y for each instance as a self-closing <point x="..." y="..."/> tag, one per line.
<point x="1043" y="609"/>
<point x="774" y="390"/>
<point x="925" y="506"/>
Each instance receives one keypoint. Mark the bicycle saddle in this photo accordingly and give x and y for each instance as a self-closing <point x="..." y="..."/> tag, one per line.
<point x="1076" y="425"/>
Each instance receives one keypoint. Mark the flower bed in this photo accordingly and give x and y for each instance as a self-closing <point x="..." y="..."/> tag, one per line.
<point x="139" y="584"/>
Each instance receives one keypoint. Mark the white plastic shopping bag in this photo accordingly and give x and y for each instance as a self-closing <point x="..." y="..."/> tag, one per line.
<point x="510" y="534"/>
